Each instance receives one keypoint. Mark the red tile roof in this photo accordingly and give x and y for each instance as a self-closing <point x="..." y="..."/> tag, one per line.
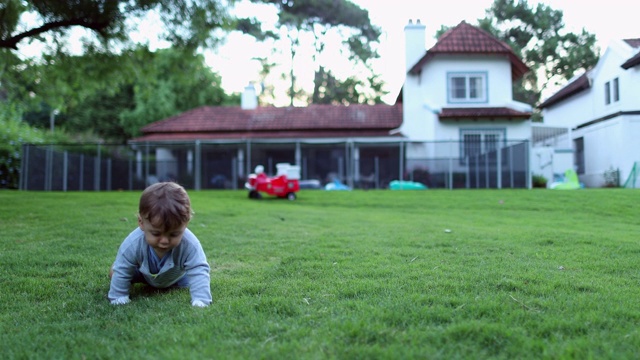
<point x="578" y="85"/>
<point x="467" y="39"/>
<point x="276" y="122"/>
<point x="483" y="113"/>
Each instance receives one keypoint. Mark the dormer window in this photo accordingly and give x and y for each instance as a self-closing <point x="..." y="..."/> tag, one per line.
<point x="467" y="87"/>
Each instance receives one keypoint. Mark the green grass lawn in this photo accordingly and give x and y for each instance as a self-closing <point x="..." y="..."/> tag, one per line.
<point x="431" y="274"/>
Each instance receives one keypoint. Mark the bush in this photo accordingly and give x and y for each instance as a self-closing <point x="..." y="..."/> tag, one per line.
<point x="538" y="181"/>
<point x="612" y="178"/>
<point x="14" y="133"/>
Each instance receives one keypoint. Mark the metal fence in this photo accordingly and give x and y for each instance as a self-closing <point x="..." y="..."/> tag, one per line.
<point x="226" y="165"/>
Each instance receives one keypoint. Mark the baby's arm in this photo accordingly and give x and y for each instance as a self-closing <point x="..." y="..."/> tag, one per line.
<point x="200" y="286"/>
<point x="123" y="270"/>
<point x="199" y="279"/>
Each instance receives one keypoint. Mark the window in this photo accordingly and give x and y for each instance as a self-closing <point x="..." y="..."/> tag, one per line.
<point x="472" y="144"/>
<point x="467" y="87"/>
<point x="477" y="142"/>
<point x="579" y="155"/>
<point x="611" y="91"/>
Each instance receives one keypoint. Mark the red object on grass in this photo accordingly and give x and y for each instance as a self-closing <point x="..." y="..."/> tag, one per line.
<point x="284" y="185"/>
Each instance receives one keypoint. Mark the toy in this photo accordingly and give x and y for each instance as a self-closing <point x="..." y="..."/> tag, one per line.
<point x="336" y="184"/>
<point x="284" y="185"/>
<point x="569" y="182"/>
<point x="406" y="185"/>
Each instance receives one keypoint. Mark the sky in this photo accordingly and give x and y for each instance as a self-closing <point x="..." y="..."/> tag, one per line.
<point x="608" y="20"/>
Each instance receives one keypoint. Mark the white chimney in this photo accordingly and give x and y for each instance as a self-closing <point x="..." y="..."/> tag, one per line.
<point x="249" y="98"/>
<point x="415" y="43"/>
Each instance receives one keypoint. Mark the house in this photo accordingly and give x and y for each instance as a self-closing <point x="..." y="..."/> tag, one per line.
<point x="602" y="109"/>
<point x="219" y="146"/>
<point x="455" y="124"/>
<point x="461" y="90"/>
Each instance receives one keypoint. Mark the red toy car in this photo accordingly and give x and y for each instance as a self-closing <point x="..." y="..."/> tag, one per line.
<point x="284" y="185"/>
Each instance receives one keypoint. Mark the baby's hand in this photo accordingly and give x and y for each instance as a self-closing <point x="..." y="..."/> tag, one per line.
<point x="198" y="303"/>
<point x="120" y="301"/>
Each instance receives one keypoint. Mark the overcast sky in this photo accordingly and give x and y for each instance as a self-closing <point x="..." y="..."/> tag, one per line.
<point x="611" y="19"/>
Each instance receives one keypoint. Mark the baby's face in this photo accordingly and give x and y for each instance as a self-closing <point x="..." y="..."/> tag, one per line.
<point x="160" y="239"/>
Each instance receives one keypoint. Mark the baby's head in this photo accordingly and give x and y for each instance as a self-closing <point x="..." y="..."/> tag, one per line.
<point x="166" y="205"/>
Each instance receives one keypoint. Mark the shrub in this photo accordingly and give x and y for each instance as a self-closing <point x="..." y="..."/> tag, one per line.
<point x="612" y="178"/>
<point x="14" y="133"/>
<point x="538" y="181"/>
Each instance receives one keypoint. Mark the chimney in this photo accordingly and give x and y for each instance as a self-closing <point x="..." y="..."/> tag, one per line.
<point x="414" y="42"/>
<point x="249" y="98"/>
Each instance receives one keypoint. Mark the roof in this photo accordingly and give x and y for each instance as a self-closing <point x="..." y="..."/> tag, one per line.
<point x="634" y="43"/>
<point x="467" y="39"/>
<point x="233" y="122"/>
<point x="579" y="84"/>
<point x="634" y="60"/>
<point x="503" y="113"/>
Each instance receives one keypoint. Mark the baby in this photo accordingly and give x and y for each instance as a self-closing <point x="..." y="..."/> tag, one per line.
<point x="162" y="252"/>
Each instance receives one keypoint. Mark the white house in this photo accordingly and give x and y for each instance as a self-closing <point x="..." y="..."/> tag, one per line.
<point x="455" y="120"/>
<point x="461" y="89"/>
<point x="602" y="109"/>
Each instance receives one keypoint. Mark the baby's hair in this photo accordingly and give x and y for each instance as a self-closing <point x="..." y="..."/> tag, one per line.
<point x="166" y="205"/>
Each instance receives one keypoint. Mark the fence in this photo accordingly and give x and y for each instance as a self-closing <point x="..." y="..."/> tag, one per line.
<point x="633" y="181"/>
<point x="226" y="165"/>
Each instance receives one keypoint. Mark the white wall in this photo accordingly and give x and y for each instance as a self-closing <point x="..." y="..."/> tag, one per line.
<point x="541" y="162"/>
<point x="425" y="95"/>
<point x="590" y="104"/>
<point x="498" y="71"/>
<point x="630" y="89"/>
<point x="609" y="143"/>
<point x="414" y="43"/>
<point x="418" y="120"/>
<point x="570" y="114"/>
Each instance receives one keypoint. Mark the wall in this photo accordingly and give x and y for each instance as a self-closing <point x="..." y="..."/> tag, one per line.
<point x="570" y="113"/>
<point x="498" y="69"/>
<point x="609" y="144"/>
<point x="425" y="94"/>
<point x="590" y="104"/>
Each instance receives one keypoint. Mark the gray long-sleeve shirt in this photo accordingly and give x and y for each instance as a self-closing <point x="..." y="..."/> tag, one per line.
<point x="187" y="259"/>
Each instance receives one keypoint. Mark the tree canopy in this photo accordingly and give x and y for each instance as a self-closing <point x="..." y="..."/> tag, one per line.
<point x="318" y="18"/>
<point x="539" y="36"/>
<point x="185" y="23"/>
<point x="149" y="86"/>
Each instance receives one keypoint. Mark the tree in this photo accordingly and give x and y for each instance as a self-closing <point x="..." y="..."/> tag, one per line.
<point x="318" y="18"/>
<point x="58" y="80"/>
<point x="538" y="35"/>
<point x="147" y="87"/>
<point x="158" y="85"/>
<point x="329" y="90"/>
<point x="186" y="23"/>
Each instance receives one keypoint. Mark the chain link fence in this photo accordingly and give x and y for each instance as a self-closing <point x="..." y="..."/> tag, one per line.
<point x="226" y="165"/>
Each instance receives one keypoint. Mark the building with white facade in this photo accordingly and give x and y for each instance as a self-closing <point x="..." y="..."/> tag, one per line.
<point x="602" y="109"/>
<point x="454" y="125"/>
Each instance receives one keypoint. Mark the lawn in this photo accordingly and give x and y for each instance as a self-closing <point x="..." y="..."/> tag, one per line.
<point x="436" y="274"/>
